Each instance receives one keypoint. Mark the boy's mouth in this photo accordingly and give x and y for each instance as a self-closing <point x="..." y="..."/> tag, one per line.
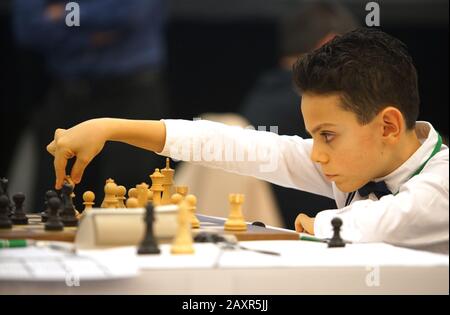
<point x="330" y="176"/>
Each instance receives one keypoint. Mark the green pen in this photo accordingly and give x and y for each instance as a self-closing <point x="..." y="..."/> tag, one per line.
<point x="312" y="239"/>
<point x="13" y="243"/>
<point x="61" y="246"/>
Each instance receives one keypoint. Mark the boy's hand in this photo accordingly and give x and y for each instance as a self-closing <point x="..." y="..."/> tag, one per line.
<point x="303" y="223"/>
<point x="83" y="141"/>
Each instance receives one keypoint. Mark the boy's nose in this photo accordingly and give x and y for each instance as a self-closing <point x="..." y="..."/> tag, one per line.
<point x="318" y="156"/>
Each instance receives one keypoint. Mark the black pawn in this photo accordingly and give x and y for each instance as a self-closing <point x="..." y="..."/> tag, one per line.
<point x="54" y="222"/>
<point x="336" y="240"/>
<point x="68" y="215"/>
<point x="46" y="213"/>
<point x="4" y="191"/>
<point x="19" y="216"/>
<point x="149" y="244"/>
<point x="5" y="221"/>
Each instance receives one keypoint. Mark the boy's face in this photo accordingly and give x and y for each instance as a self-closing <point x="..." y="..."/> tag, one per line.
<point x="350" y="154"/>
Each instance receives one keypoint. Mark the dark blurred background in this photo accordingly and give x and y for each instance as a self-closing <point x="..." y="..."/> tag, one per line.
<point x="215" y="52"/>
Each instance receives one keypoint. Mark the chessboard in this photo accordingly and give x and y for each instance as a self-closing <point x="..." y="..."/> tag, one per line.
<point x="254" y="232"/>
<point x="60" y="208"/>
<point x="35" y="230"/>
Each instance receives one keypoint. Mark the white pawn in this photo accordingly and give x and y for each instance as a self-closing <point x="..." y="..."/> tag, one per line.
<point x="192" y="200"/>
<point x="120" y="195"/>
<point x="88" y="199"/>
<point x="183" y="242"/>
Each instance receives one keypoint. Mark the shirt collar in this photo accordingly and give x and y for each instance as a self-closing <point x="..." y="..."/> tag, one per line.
<point x="428" y="137"/>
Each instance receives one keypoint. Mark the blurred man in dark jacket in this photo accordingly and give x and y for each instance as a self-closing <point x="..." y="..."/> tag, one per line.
<point x="112" y="65"/>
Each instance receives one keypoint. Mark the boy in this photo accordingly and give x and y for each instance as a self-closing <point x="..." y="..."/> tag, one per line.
<point x="387" y="172"/>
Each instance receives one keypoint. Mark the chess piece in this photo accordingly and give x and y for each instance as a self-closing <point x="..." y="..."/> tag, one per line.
<point x="5" y="221"/>
<point x="69" y="181"/>
<point x="4" y="191"/>
<point x="259" y="223"/>
<point x="167" y="183"/>
<point x="182" y="190"/>
<point x="54" y="222"/>
<point x="68" y="213"/>
<point x="132" y="203"/>
<point x="157" y="186"/>
<point x="45" y="214"/>
<point x="19" y="217"/>
<point x="336" y="240"/>
<point x="132" y="193"/>
<point x="192" y="200"/>
<point x="110" y="200"/>
<point x="109" y="180"/>
<point x="149" y="196"/>
<point x="149" y="244"/>
<point x="121" y="191"/>
<point x="142" y="194"/>
<point x="88" y="199"/>
<point x="183" y="242"/>
<point x="235" y="221"/>
<point x="176" y="198"/>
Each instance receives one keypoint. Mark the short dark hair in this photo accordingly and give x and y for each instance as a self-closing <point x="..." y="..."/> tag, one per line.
<point x="368" y="68"/>
<point x="302" y="30"/>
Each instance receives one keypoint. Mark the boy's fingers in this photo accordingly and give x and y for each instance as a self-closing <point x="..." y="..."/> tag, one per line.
<point x="51" y="148"/>
<point x="60" y="164"/>
<point x="78" y="169"/>
<point x="298" y="224"/>
<point x="58" y="132"/>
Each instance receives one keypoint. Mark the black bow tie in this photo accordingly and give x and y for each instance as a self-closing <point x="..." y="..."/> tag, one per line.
<point x="378" y="188"/>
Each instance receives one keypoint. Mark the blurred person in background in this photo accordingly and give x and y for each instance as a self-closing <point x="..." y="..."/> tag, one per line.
<point x="273" y="100"/>
<point x="112" y="65"/>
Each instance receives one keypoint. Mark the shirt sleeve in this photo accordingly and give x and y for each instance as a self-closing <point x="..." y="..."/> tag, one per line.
<point x="417" y="216"/>
<point x="282" y="160"/>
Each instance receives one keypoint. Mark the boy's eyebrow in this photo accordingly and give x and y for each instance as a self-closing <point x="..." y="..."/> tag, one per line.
<point x="317" y="128"/>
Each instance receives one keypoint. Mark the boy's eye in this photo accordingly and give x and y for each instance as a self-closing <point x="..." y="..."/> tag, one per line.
<point x="328" y="137"/>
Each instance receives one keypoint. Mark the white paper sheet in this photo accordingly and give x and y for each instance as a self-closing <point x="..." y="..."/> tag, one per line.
<point x="304" y="253"/>
<point x="44" y="264"/>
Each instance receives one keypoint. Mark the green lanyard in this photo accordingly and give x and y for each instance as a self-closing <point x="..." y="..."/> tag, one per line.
<point x="436" y="149"/>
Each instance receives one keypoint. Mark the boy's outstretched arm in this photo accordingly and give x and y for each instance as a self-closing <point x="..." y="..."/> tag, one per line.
<point x="85" y="140"/>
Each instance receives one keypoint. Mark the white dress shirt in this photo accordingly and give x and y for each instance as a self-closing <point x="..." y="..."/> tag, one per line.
<point x="416" y="216"/>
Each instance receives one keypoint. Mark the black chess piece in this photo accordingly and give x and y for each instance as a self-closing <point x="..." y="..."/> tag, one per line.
<point x="19" y="217"/>
<point x="4" y="191"/>
<point x="68" y="215"/>
<point x="5" y="221"/>
<point x="336" y="240"/>
<point x="46" y="213"/>
<point x="54" y="222"/>
<point x="259" y="223"/>
<point x="149" y="244"/>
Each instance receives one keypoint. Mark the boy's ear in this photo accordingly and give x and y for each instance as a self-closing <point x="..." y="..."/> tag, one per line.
<point x="392" y="122"/>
